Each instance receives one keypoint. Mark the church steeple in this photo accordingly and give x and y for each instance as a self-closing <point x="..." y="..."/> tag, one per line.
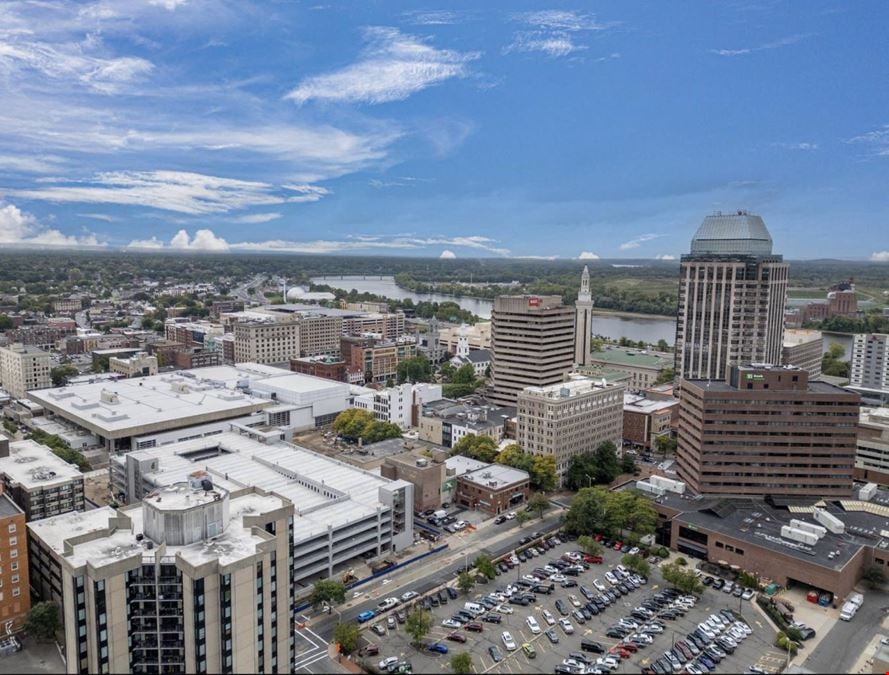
<point x="583" y="321"/>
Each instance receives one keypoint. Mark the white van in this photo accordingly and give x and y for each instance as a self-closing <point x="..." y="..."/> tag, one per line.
<point x="848" y="611"/>
<point x="440" y="515"/>
<point x="474" y="608"/>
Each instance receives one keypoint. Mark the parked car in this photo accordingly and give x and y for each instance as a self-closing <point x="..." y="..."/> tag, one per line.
<point x="366" y="615"/>
<point x="529" y="650"/>
<point x="456" y="637"/>
<point x="438" y="648"/>
<point x="496" y="654"/>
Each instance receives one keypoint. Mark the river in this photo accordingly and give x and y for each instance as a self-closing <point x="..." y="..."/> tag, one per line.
<point x="613" y="326"/>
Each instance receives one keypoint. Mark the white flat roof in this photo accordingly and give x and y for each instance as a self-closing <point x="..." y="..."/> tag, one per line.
<point x="137" y="406"/>
<point x="324" y="491"/>
<point x="572" y="388"/>
<point x="496" y="476"/>
<point x="34" y="465"/>
<point x="637" y="403"/>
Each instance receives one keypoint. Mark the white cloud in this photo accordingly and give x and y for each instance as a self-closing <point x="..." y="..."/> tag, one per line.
<point x="447" y="255"/>
<point x="587" y="255"/>
<point x="878" y="139"/>
<point x="392" y="67"/>
<point x="20" y="227"/>
<point x="26" y="164"/>
<point x="434" y="17"/>
<point x="553" y="31"/>
<point x="536" y="257"/>
<point x="180" y="191"/>
<point x="880" y="256"/>
<point x="665" y="256"/>
<point x="98" y="216"/>
<point x="804" y="146"/>
<point x="783" y="42"/>
<point x="167" y="4"/>
<point x="307" y="193"/>
<point x="637" y="241"/>
<point x="154" y="242"/>
<point x="258" y="218"/>
<point x="204" y="240"/>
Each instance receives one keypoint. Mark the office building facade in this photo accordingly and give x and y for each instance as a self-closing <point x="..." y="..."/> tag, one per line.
<point x="15" y="598"/>
<point x="803" y="348"/>
<point x="767" y="430"/>
<point x="869" y="371"/>
<point x="732" y="292"/>
<point x="570" y="418"/>
<point x="24" y="368"/>
<point x="532" y="344"/>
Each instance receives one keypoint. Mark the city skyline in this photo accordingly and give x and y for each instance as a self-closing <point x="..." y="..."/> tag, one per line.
<point x="210" y="125"/>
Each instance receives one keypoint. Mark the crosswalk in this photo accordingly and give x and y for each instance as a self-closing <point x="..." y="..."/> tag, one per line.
<point x="310" y="647"/>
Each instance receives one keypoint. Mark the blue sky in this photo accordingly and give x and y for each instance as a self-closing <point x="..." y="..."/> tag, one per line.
<point x="460" y="128"/>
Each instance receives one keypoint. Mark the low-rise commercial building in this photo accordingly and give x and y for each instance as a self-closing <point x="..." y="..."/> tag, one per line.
<point x="401" y="404"/>
<point x="446" y="421"/>
<point x="478" y="336"/>
<point x="643" y="367"/>
<point x="196" y="357"/>
<point x="491" y="488"/>
<point x="15" y="598"/>
<point x="192" y="333"/>
<point x="40" y="482"/>
<point x="647" y="419"/>
<point x="570" y="418"/>
<point x="767" y="430"/>
<point x="377" y="358"/>
<point x="195" y="578"/>
<point x="24" y="368"/>
<point x="803" y="349"/>
<point x="138" y="365"/>
<point x="328" y="367"/>
<point x="425" y="474"/>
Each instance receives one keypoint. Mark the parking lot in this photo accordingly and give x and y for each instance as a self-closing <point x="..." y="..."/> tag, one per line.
<point x="755" y="650"/>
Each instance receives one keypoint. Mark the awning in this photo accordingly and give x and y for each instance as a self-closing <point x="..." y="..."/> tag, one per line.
<point x="722" y="563"/>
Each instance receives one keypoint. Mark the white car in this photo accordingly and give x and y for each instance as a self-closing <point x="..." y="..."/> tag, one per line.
<point x="511" y="515"/>
<point x="729" y="587"/>
<point x="610" y="662"/>
<point x="644" y="638"/>
<point x="573" y="600"/>
<point x="533" y="626"/>
<point x="558" y="578"/>
<point x="634" y="550"/>
<point x="653" y="628"/>
<point x="508" y="642"/>
<point x="622" y="570"/>
<point x="503" y="609"/>
<point x="599" y="586"/>
<point x="450" y="623"/>
<point x="549" y="618"/>
<point x="460" y="525"/>
<point x="574" y="664"/>
<point x="387" y="604"/>
<point x="610" y="578"/>
<point x="388" y="661"/>
<point x="408" y="595"/>
<point x="567" y="626"/>
<point x="549" y="569"/>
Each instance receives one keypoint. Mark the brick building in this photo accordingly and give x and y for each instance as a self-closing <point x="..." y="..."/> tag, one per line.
<point x="492" y="488"/>
<point x="426" y="475"/>
<point x="646" y="419"/>
<point x="15" y="597"/>
<point x="375" y="357"/>
<point x="328" y="367"/>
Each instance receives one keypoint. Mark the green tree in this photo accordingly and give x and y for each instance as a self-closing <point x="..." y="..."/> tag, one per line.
<point x="637" y="564"/>
<point x="43" y="620"/>
<point x="465" y="581"/>
<point x="874" y="577"/>
<point x="665" y="445"/>
<point x="484" y="565"/>
<point x="581" y="471"/>
<point x="832" y="362"/>
<point x="539" y="503"/>
<point x="414" y="369"/>
<point x="61" y="373"/>
<point x="465" y="374"/>
<point x="461" y="664"/>
<point x="632" y="511"/>
<point x="523" y="517"/>
<point x="589" y="512"/>
<point x="5" y="322"/>
<point x="747" y="580"/>
<point x="607" y="466"/>
<point x="482" y="448"/>
<point x="418" y="624"/>
<point x="627" y="464"/>
<point x="665" y="376"/>
<point x="683" y="579"/>
<point x="785" y="644"/>
<point x="351" y="423"/>
<point x="348" y="636"/>
<point x="543" y="473"/>
<point x="327" y="591"/>
<point x="662" y="346"/>
<point x="511" y="455"/>
<point x="589" y="545"/>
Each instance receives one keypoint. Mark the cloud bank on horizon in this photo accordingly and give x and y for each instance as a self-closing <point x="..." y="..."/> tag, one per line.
<point x="508" y="129"/>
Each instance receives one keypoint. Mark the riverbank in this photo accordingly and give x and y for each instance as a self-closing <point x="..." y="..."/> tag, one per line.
<point x="630" y="315"/>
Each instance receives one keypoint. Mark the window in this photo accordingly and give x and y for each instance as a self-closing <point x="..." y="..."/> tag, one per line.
<point x="13" y="541"/>
<point x="14" y="553"/>
<point x="15" y="578"/>
<point x="14" y="567"/>
<point x="11" y="528"/>
<point x="16" y="592"/>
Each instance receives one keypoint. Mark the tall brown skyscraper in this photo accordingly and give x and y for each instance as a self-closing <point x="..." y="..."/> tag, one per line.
<point x="767" y="430"/>
<point x="732" y="291"/>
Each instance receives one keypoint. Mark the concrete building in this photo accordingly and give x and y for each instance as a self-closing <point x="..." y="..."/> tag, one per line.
<point x="583" y="321"/>
<point x="342" y="512"/>
<point x="767" y="430"/>
<point x="192" y="333"/>
<point x="869" y="373"/>
<point x="15" y="599"/>
<point x="429" y="342"/>
<point x="138" y="365"/>
<point x="732" y="291"/>
<point x="195" y="578"/>
<point x="532" y="344"/>
<point x="872" y="458"/>
<point x="401" y="404"/>
<point x="40" y="482"/>
<point x="491" y="488"/>
<point x="196" y="357"/>
<point x="647" y="419"/>
<point x="478" y="335"/>
<point x="388" y="324"/>
<point x="266" y="341"/>
<point x="803" y="349"/>
<point x="23" y="368"/>
<point x="642" y="367"/>
<point x="102" y="357"/>
<point x="841" y="300"/>
<point x="570" y="418"/>
<point x="377" y="358"/>
<point x="445" y="422"/>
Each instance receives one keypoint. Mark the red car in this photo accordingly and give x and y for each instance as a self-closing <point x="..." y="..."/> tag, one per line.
<point x="622" y="653"/>
<point x="474" y="627"/>
<point x="369" y="650"/>
<point x="598" y="537"/>
<point x="457" y="637"/>
<point x="618" y="545"/>
<point x="629" y="646"/>
<point x="593" y="559"/>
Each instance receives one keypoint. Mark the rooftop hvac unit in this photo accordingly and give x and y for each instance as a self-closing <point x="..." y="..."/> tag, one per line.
<point x="796" y="534"/>
<point x="830" y="521"/>
<point x="868" y="492"/>
<point x="817" y="530"/>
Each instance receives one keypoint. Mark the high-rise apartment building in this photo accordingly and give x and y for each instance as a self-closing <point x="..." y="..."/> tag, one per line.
<point x="532" y="344"/>
<point x="23" y="368"/>
<point x="870" y="365"/>
<point x="15" y="597"/>
<point x="274" y="339"/>
<point x="803" y="348"/>
<point x="767" y="430"/>
<point x="732" y="291"/>
<point x="570" y="418"/>
<point x="40" y="482"/>
<point x="193" y="579"/>
<point x="583" y="321"/>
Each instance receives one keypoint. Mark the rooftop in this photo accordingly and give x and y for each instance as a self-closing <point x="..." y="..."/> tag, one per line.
<point x="478" y="414"/>
<point x="798" y="336"/>
<point x="154" y="403"/>
<point x="33" y="465"/>
<point x="573" y="388"/>
<point x="495" y="476"/>
<point x="8" y="507"/>
<point x="738" y="233"/>
<point x="639" y="358"/>
<point x="641" y="404"/>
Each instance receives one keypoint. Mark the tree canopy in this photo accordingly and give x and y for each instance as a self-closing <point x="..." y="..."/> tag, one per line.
<point x="348" y="636"/>
<point x="43" y="620"/>
<point x="596" y="467"/>
<point x="355" y="423"/>
<point x="599" y="510"/>
<point x="482" y="448"/>
<point x="541" y="468"/>
<point x="418" y="624"/>
<point x="327" y="591"/>
<point x="414" y="369"/>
